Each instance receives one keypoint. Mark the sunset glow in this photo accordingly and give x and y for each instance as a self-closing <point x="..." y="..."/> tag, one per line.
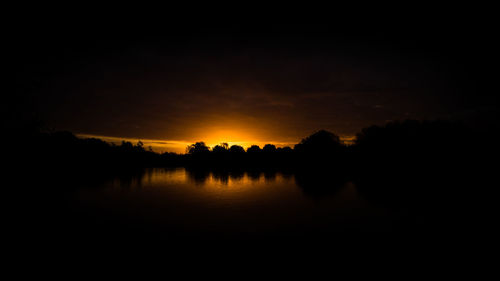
<point x="195" y="132"/>
<point x="231" y="137"/>
<point x="241" y="138"/>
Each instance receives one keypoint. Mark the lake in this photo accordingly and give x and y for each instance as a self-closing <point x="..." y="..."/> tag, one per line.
<point x="238" y="204"/>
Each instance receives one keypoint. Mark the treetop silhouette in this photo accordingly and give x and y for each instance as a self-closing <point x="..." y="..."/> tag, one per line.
<point x="320" y="142"/>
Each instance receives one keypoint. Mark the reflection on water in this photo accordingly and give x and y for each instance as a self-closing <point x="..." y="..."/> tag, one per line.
<point x="223" y="183"/>
<point x="231" y="202"/>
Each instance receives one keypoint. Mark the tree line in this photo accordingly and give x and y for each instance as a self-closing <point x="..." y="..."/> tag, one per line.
<point x="395" y="145"/>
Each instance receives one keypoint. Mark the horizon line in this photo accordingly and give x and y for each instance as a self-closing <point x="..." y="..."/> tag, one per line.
<point x="176" y="146"/>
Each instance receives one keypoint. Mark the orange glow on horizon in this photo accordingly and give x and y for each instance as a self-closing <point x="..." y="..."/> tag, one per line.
<point x="212" y="138"/>
<point x="241" y="138"/>
<point x="231" y="137"/>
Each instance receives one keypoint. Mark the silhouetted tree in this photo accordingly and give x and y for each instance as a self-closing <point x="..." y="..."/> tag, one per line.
<point x="197" y="148"/>
<point x="321" y="151"/>
<point x="411" y="140"/>
<point x="140" y="146"/>
<point x="269" y="148"/>
<point x="254" y="149"/>
<point x="127" y="146"/>
<point x="285" y="149"/>
<point x="236" y="149"/>
<point x="220" y="148"/>
<point x="319" y="143"/>
<point x="422" y="151"/>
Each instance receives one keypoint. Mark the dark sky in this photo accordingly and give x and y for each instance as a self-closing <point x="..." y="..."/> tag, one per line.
<point x="247" y="80"/>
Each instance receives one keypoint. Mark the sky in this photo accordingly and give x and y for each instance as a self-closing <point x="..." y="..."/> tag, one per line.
<point x="175" y="82"/>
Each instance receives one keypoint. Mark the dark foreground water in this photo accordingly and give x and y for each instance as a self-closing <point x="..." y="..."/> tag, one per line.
<point x="185" y="218"/>
<point x="186" y="211"/>
<point x="203" y="204"/>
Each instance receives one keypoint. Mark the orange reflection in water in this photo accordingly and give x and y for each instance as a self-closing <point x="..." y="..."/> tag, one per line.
<point x="235" y="186"/>
<point x="225" y="203"/>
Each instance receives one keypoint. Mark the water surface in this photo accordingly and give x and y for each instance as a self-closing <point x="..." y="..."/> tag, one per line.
<point x="242" y="203"/>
